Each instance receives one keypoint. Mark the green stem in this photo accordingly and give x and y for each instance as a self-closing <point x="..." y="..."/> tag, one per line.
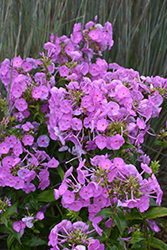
<point x="59" y="210"/>
<point x="159" y="153"/>
<point x="109" y="232"/>
<point x="146" y="234"/>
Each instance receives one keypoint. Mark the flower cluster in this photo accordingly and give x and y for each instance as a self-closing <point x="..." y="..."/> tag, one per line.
<point x="65" y="234"/>
<point x="72" y="101"/>
<point x="105" y="183"/>
<point x="27" y="221"/>
<point x="17" y="171"/>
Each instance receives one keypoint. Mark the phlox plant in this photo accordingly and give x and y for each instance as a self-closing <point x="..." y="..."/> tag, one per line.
<point x="73" y="173"/>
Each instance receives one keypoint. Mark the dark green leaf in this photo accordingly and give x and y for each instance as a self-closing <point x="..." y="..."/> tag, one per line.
<point x="33" y="241"/>
<point x="105" y="212"/>
<point x="14" y="233"/>
<point x="11" y="210"/>
<point x="120" y="221"/>
<point x="133" y="216"/>
<point x="156" y="212"/>
<point x="61" y="172"/>
<point x="10" y="240"/>
<point x="4" y="229"/>
<point x="111" y="247"/>
<point x="160" y="143"/>
<point x="158" y="244"/>
<point x="4" y="220"/>
<point x="46" y="196"/>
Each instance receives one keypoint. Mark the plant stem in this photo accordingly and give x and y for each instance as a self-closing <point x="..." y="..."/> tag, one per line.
<point x="146" y="234"/>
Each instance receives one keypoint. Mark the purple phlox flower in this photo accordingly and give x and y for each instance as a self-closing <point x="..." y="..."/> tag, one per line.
<point x="17" y="62"/>
<point x="116" y="141"/>
<point x="102" y="125"/>
<point x="79" y="247"/>
<point x="68" y="197"/>
<point x="5" y="66"/>
<point x="65" y="122"/>
<point x="53" y="163"/>
<point x="27" y="126"/>
<point x="64" y="71"/>
<point x="18" y="148"/>
<point x="105" y="164"/>
<point x="75" y="206"/>
<point x="153" y="225"/>
<point x="59" y="134"/>
<point x="143" y="203"/>
<point x="95" y="35"/>
<point x="43" y="141"/>
<point x="56" y="194"/>
<point x="86" y="192"/>
<point x="140" y="123"/>
<point x="28" y="221"/>
<point x="95" y="244"/>
<point x="119" y="163"/>
<point x="36" y="92"/>
<point x="94" y="69"/>
<point x="21" y="104"/>
<point x="75" y="55"/>
<point x="29" y="187"/>
<point x="23" y="172"/>
<point x="146" y="168"/>
<point x="95" y="221"/>
<point x="4" y="148"/>
<point x="76" y="37"/>
<point x="18" y="225"/>
<point x="26" y="66"/>
<point x="30" y="175"/>
<point x="28" y="140"/>
<point x="40" y="215"/>
<point x="100" y="200"/>
<point x="122" y="91"/>
<point x="19" y="183"/>
<point x="11" y="141"/>
<point x="17" y="90"/>
<point x="77" y="150"/>
<point x="76" y="124"/>
<point x="64" y="148"/>
<point x="100" y="142"/>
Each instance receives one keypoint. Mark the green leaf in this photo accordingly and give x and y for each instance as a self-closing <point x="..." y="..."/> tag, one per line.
<point x="153" y="203"/>
<point x="156" y="212"/>
<point x="111" y="247"/>
<point x="14" y="233"/>
<point x="133" y="215"/>
<point x="61" y="172"/>
<point x="33" y="202"/>
<point x="10" y="240"/>
<point x="160" y="143"/>
<point x="120" y="221"/>
<point x="11" y="210"/>
<point x="4" y="229"/>
<point x="46" y="196"/>
<point x="105" y="212"/>
<point x="33" y="241"/>
<point x="158" y="244"/>
<point x="4" y="220"/>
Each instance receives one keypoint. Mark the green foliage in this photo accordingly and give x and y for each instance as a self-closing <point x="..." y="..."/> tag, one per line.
<point x="46" y="196"/>
<point x="156" y="212"/>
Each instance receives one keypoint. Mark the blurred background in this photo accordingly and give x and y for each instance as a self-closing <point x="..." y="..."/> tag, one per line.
<point x="139" y="34"/>
<point x="139" y="28"/>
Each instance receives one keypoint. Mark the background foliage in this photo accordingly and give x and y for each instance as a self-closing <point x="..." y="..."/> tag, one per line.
<point x="139" y="28"/>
